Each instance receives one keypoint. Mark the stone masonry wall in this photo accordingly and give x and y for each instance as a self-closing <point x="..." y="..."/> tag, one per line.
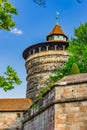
<point x="34" y="119"/>
<point x="11" y="120"/>
<point x="64" y="107"/>
<point x="39" y="66"/>
<point x="44" y="121"/>
<point x="71" y="116"/>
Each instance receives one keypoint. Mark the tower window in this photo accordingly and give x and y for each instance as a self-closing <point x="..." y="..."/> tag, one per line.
<point x="64" y="38"/>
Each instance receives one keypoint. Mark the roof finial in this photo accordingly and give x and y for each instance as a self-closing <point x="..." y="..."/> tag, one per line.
<point x="57" y="13"/>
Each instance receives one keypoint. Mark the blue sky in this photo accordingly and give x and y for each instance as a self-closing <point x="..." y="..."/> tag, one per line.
<point x="33" y="24"/>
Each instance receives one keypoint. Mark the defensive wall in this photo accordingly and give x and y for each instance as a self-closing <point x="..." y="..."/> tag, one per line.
<point x="64" y="107"/>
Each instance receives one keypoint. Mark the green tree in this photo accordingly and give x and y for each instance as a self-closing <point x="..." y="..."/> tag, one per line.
<point x="7" y="10"/>
<point x="78" y="50"/>
<point x="78" y="47"/>
<point x="80" y="35"/>
<point x="11" y="78"/>
<point x="74" y="69"/>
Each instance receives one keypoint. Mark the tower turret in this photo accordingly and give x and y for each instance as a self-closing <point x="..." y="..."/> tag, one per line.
<point x="42" y="59"/>
<point x="57" y="34"/>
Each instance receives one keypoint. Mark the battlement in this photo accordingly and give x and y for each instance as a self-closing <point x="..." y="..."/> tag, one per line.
<point x="45" y="46"/>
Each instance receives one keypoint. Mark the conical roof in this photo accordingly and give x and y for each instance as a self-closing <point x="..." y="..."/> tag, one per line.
<point x="57" y="30"/>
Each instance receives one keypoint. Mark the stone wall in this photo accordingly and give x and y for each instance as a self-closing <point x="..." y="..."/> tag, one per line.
<point x="71" y="116"/>
<point x="64" y="107"/>
<point x="39" y="66"/>
<point x="45" y="121"/>
<point x="11" y="120"/>
<point x="41" y="117"/>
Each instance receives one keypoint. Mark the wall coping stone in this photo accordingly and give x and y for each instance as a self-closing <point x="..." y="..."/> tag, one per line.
<point x="72" y="79"/>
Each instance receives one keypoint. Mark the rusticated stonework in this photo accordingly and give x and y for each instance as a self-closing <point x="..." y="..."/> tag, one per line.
<point x="39" y="66"/>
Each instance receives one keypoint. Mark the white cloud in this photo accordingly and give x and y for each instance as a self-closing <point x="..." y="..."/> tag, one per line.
<point x="16" y="31"/>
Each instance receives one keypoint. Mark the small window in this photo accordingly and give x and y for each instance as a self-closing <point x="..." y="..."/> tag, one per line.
<point x="64" y="38"/>
<point x="18" y="115"/>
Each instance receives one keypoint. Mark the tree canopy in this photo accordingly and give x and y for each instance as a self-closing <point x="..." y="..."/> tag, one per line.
<point x="80" y="35"/>
<point x="7" y="10"/>
<point x="78" y="47"/>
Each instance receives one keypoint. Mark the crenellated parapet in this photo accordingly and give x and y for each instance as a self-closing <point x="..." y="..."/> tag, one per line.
<point x="45" y="46"/>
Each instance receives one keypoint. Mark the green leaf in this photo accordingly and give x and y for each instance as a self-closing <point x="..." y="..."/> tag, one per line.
<point x="11" y="78"/>
<point x="7" y="10"/>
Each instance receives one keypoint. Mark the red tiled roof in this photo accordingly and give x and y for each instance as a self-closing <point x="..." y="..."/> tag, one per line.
<point x="14" y="104"/>
<point x="56" y="30"/>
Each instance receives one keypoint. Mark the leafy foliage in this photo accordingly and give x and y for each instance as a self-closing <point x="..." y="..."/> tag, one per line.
<point x="80" y="54"/>
<point x="7" y="82"/>
<point x="78" y="47"/>
<point x="66" y="70"/>
<point x="75" y="69"/>
<point x="80" y="35"/>
<point x="7" y="10"/>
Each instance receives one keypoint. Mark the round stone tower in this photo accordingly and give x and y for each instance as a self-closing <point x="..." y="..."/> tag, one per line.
<point x="42" y="59"/>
